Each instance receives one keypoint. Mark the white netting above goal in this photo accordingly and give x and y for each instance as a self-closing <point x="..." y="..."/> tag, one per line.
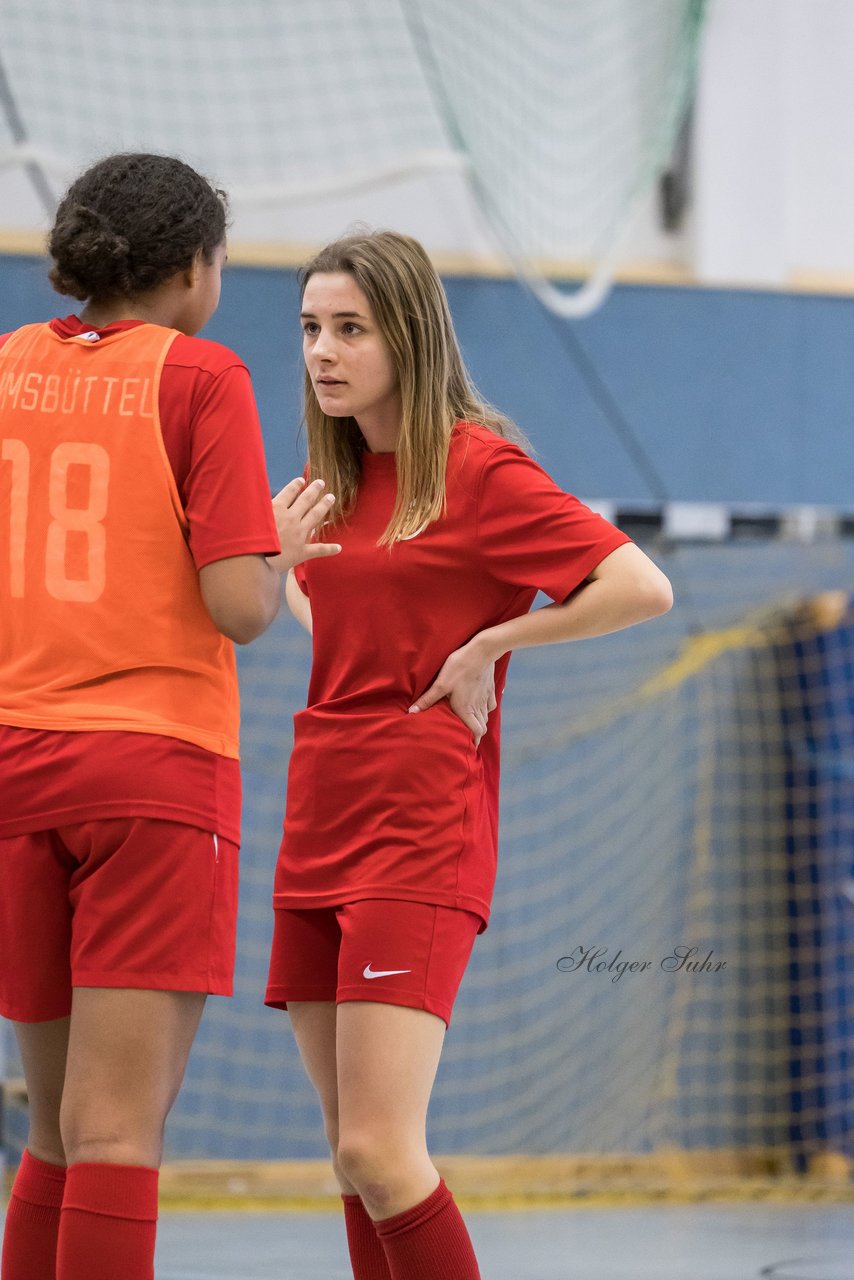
<point x="278" y="100"/>
<point x="557" y="114"/>
<point x="566" y="113"/>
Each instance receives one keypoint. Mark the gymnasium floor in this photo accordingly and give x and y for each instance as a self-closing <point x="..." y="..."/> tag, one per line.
<point x="664" y="1242"/>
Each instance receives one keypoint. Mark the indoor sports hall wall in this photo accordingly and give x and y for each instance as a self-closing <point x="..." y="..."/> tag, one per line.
<point x="740" y="396"/>
<point x="645" y="776"/>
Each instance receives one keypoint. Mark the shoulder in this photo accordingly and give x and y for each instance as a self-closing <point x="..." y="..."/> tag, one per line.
<point x="202" y="355"/>
<point x="480" y="442"/>
<point x="475" y="449"/>
<point x="23" y="330"/>
<point x="201" y="376"/>
<point x="478" y="455"/>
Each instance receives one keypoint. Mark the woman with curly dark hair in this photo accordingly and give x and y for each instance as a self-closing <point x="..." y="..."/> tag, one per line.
<point x="137" y="540"/>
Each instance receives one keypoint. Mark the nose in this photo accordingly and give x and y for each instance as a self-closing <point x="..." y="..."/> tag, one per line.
<point x="324" y="347"/>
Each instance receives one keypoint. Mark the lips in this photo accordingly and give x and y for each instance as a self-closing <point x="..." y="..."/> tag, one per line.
<point x="329" y="382"/>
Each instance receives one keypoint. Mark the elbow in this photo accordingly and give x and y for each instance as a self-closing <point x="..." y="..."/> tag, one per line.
<point x="657" y="595"/>
<point x="243" y="627"/>
<point x="243" y="632"/>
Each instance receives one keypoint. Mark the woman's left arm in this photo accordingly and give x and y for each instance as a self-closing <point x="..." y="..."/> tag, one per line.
<point x="625" y="588"/>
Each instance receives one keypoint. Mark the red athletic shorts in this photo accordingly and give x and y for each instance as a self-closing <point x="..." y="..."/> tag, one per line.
<point x="409" y="953"/>
<point x="115" y="902"/>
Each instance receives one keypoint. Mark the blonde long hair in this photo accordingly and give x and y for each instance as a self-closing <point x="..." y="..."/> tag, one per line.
<point x="411" y="310"/>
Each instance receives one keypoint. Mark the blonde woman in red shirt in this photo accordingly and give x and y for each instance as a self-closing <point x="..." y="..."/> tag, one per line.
<point x="137" y="540"/>
<point x="448" y="529"/>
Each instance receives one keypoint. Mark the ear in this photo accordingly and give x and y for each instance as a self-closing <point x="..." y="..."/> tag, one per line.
<point x="191" y="274"/>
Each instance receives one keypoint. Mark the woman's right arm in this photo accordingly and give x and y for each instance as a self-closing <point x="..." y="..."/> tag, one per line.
<point x="298" y="602"/>
<point x="213" y="440"/>
<point x="243" y="593"/>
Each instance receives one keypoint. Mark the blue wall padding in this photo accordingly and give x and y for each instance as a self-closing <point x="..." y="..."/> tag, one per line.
<point x="735" y="396"/>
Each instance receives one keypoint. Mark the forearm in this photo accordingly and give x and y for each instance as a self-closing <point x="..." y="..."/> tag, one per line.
<point x="242" y="595"/>
<point x="624" y="588"/>
<point x="597" y="608"/>
<point x="256" y="607"/>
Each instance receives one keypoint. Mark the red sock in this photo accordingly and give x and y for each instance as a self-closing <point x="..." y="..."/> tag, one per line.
<point x="367" y="1256"/>
<point x="109" y="1221"/>
<point x="429" y="1241"/>
<point x="32" y="1221"/>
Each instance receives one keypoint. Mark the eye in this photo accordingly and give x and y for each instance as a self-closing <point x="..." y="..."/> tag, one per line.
<point x="350" y="328"/>
<point x="310" y="326"/>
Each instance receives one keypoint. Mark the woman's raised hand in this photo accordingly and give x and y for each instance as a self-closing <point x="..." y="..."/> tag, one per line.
<point x="300" y="509"/>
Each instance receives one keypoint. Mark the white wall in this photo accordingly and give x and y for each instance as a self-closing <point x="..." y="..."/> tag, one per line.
<point x="819" y="138"/>
<point x="773" y="165"/>
<point x="774" y="142"/>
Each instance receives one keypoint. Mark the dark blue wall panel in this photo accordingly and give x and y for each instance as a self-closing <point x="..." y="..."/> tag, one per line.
<point x="736" y="396"/>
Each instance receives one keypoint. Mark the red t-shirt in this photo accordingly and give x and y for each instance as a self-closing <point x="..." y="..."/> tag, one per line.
<point x="213" y="441"/>
<point x="382" y="803"/>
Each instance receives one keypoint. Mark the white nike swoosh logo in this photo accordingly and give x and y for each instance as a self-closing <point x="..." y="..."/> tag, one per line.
<point x="368" y="972"/>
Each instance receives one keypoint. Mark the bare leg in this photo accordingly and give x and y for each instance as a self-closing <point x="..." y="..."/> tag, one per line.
<point x="101" y="1085"/>
<point x="387" y="1061"/>
<point x="33" y="1216"/>
<point x="127" y="1053"/>
<point x="375" y="1108"/>
<point x="43" y="1047"/>
<point x="314" y="1024"/>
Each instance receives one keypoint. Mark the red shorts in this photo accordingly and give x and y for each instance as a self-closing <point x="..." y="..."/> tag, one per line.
<point x="409" y="953"/>
<point x="116" y="902"/>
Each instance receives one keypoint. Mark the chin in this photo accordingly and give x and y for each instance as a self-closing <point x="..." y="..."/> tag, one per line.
<point x="333" y="408"/>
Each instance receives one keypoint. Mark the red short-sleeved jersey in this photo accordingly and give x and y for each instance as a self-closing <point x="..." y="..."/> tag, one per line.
<point x="213" y="442"/>
<point x="381" y="802"/>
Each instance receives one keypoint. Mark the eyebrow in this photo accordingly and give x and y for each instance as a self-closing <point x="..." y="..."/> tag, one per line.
<point x="336" y="315"/>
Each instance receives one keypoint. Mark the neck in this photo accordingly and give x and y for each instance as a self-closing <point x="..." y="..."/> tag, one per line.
<point x="381" y="431"/>
<point x="154" y="308"/>
<point x="101" y="314"/>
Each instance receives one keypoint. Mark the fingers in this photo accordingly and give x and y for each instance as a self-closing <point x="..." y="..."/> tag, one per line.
<point x="300" y="511"/>
<point x="319" y="549"/>
<point x="476" y="721"/>
<point x="471" y="694"/>
<point x="304" y="499"/>
<point x="473" y="718"/>
<point x="479" y="726"/>
<point x="433" y="695"/>
<point x="290" y="492"/>
<point x="316" y="514"/>
<point x="312" y="505"/>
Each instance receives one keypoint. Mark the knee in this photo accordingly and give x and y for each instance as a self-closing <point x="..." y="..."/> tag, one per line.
<point x="110" y="1140"/>
<point x="333" y="1138"/>
<point x="330" y="1128"/>
<point x="47" y="1147"/>
<point x="107" y="1149"/>
<point x="372" y="1166"/>
<point x="44" y="1140"/>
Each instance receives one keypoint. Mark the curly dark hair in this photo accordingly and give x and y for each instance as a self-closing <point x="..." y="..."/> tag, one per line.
<point x="129" y="223"/>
